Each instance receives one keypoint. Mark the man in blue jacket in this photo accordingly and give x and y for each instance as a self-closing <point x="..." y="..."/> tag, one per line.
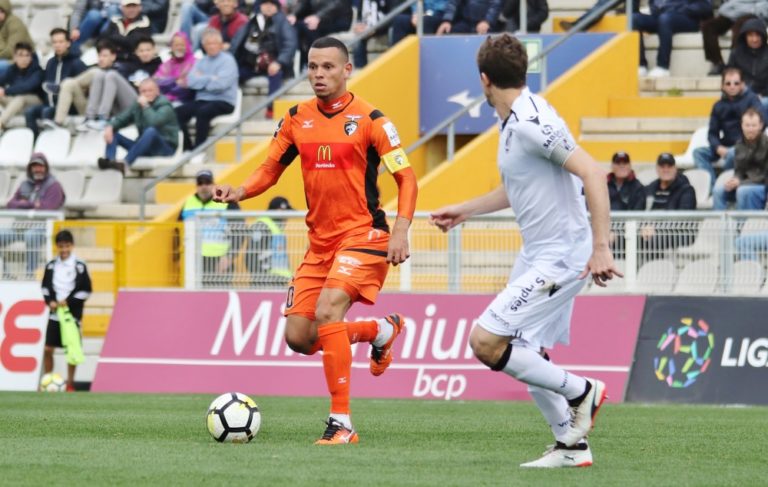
<point x="725" y="119"/>
<point x="214" y="79"/>
<point x="20" y="85"/>
<point x="64" y="64"/>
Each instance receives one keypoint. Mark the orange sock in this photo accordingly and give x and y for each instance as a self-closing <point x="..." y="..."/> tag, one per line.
<point x="337" y="363"/>
<point x="362" y="331"/>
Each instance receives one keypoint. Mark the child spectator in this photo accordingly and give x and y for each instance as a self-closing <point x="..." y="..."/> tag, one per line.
<point x="63" y="65"/>
<point x="114" y="90"/>
<point x="21" y="85"/>
<point x="66" y="283"/>
<point x="171" y="76"/>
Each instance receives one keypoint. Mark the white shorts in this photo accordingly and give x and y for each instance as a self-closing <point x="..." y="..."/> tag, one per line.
<point x="534" y="307"/>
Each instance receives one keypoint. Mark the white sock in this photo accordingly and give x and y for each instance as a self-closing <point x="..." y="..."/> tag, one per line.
<point x="554" y="408"/>
<point x="343" y="419"/>
<point x="385" y="333"/>
<point x="531" y="368"/>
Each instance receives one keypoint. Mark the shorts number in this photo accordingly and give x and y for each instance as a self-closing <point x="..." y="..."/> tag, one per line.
<point x="289" y="298"/>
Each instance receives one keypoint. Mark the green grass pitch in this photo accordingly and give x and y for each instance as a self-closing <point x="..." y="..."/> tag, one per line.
<point x="113" y="439"/>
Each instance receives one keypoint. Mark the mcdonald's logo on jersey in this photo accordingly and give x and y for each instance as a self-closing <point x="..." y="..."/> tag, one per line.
<point x="319" y="156"/>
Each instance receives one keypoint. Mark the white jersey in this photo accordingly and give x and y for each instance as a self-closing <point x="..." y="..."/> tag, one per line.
<point x="548" y="201"/>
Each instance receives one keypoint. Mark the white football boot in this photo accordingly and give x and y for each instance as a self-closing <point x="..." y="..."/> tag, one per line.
<point x="561" y="456"/>
<point x="584" y="412"/>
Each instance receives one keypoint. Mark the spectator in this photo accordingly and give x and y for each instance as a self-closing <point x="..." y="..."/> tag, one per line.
<point x="171" y="76"/>
<point x="21" y="85"/>
<point x="671" y="191"/>
<point x="63" y="65"/>
<point x="214" y="79"/>
<point x="195" y="15"/>
<point x="266" y="47"/>
<point x="228" y="21"/>
<point x="371" y="12"/>
<point x="567" y="25"/>
<point x="89" y="19"/>
<point x="750" y="55"/>
<point x="217" y="247"/>
<point x="667" y="18"/>
<point x="318" y="18"/>
<point x="537" y="13"/>
<point x="66" y="283"/>
<point x="726" y="119"/>
<point x="747" y="185"/>
<point x="40" y="191"/>
<point x="157" y="13"/>
<point x="405" y="23"/>
<point x="470" y="17"/>
<point x="12" y="32"/>
<point x="73" y="90"/>
<point x="124" y="31"/>
<point x="267" y="259"/>
<point x="625" y="191"/>
<point x="730" y="15"/>
<point x="114" y="90"/>
<point x="153" y="116"/>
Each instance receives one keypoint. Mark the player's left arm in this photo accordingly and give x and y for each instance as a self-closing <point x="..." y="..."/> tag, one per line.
<point x="387" y="142"/>
<point x="600" y="264"/>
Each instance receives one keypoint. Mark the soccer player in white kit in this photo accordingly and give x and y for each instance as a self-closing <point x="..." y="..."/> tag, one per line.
<point x="545" y="178"/>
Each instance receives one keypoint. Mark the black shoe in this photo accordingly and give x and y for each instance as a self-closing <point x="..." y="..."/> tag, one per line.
<point x="567" y="25"/>
<point x="716" y="70"/>
<point x="104" y="163"/>
<point x="119" y="166"/>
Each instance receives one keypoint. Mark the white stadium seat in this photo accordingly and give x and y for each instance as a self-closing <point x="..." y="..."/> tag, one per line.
<point x="656" y="277"/>
<point x="16" y="147"/>
<point x="87" y="147"/>
<point x="73" y="183"/>
<point x="104" y="187"/>
<point x="149" y="163"/>
<point x="698" y="277"/>
<point x="54" y="143"/>
<point x="748" y="276"/>
<point x="698" y="139"/>
<point x="702" y="184"/>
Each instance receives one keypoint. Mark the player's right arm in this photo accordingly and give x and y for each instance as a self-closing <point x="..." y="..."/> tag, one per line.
<point x="448" y="217"/>
<point x="282" y="151"/>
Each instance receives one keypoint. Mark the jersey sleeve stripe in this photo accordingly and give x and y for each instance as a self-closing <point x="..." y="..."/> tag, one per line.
<point x="379" y="253"/>
<point x="375" y="114"/>
<point x="294" y="110"/>
<point x="289" y="155"/>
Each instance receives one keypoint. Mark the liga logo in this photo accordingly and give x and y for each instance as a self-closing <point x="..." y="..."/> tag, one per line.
<point x="684" y="353"/>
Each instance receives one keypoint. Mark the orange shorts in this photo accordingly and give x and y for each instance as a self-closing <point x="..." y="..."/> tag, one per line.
<point x="358" y="266"/>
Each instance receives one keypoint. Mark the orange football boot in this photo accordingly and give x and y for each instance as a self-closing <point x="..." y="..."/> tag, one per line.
<point x="380" y="356"/>
<point x="337" y="434"/>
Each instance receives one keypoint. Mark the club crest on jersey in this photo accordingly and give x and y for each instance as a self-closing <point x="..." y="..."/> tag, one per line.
<point x="307" y="124"/>
<point x="350" y="127"/>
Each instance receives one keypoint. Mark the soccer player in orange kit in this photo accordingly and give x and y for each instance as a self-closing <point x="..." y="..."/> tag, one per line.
<point x="342" y="140"/>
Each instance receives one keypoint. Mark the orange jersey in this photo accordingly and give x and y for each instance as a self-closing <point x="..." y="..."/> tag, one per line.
<point x="340" y="156"/>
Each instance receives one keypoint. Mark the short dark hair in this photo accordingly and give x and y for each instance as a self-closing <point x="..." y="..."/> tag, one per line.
<point x="59" y="30"/>
<point x="23" y="46"/>
<point x="731" y="70"/>
<point x="754" y="112"/>
<point x="65" y="236"/>
<point x="102" y="45"/>
<point x="503" y="60"/>
<point x="665" y="159"/>
<point x="144" y="40"/>
<point x="328" y="41"/>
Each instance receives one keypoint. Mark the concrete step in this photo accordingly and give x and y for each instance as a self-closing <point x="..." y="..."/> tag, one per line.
<point x="661" y="107"/>
<point x="634" y="137"/>
<point x="641" y="126"/>
<point x="681" y="83"/>
<point x="640" y="150"/>
<point x="120" y="211"/>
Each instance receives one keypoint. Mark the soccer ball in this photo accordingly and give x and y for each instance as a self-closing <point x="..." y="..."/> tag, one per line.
<point x="52" y="382"/>
<point x="233" y="417"/>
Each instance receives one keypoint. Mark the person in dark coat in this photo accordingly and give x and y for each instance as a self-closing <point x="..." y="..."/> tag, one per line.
<point x="750" y="55"/>
<point x="671" y="191"/>
<point x="537" y="13"/>
<point x="725" y="123"/>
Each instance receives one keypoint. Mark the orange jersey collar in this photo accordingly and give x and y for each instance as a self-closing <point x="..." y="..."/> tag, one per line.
<point x="337" y="105"/>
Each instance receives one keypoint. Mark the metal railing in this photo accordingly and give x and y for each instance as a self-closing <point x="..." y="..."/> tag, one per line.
<point x="449" y="123"/>
<point x="700" y="253"/>
<point x="25" y="242"/>
<point x="237" y="125"/>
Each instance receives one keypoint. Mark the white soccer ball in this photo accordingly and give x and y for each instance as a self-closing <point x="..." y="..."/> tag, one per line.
<point x="52" y="382"/>
<point x="233" y="417"/>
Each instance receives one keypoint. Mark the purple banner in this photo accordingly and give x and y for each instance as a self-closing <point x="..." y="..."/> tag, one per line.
<point x="209" y="342"/>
